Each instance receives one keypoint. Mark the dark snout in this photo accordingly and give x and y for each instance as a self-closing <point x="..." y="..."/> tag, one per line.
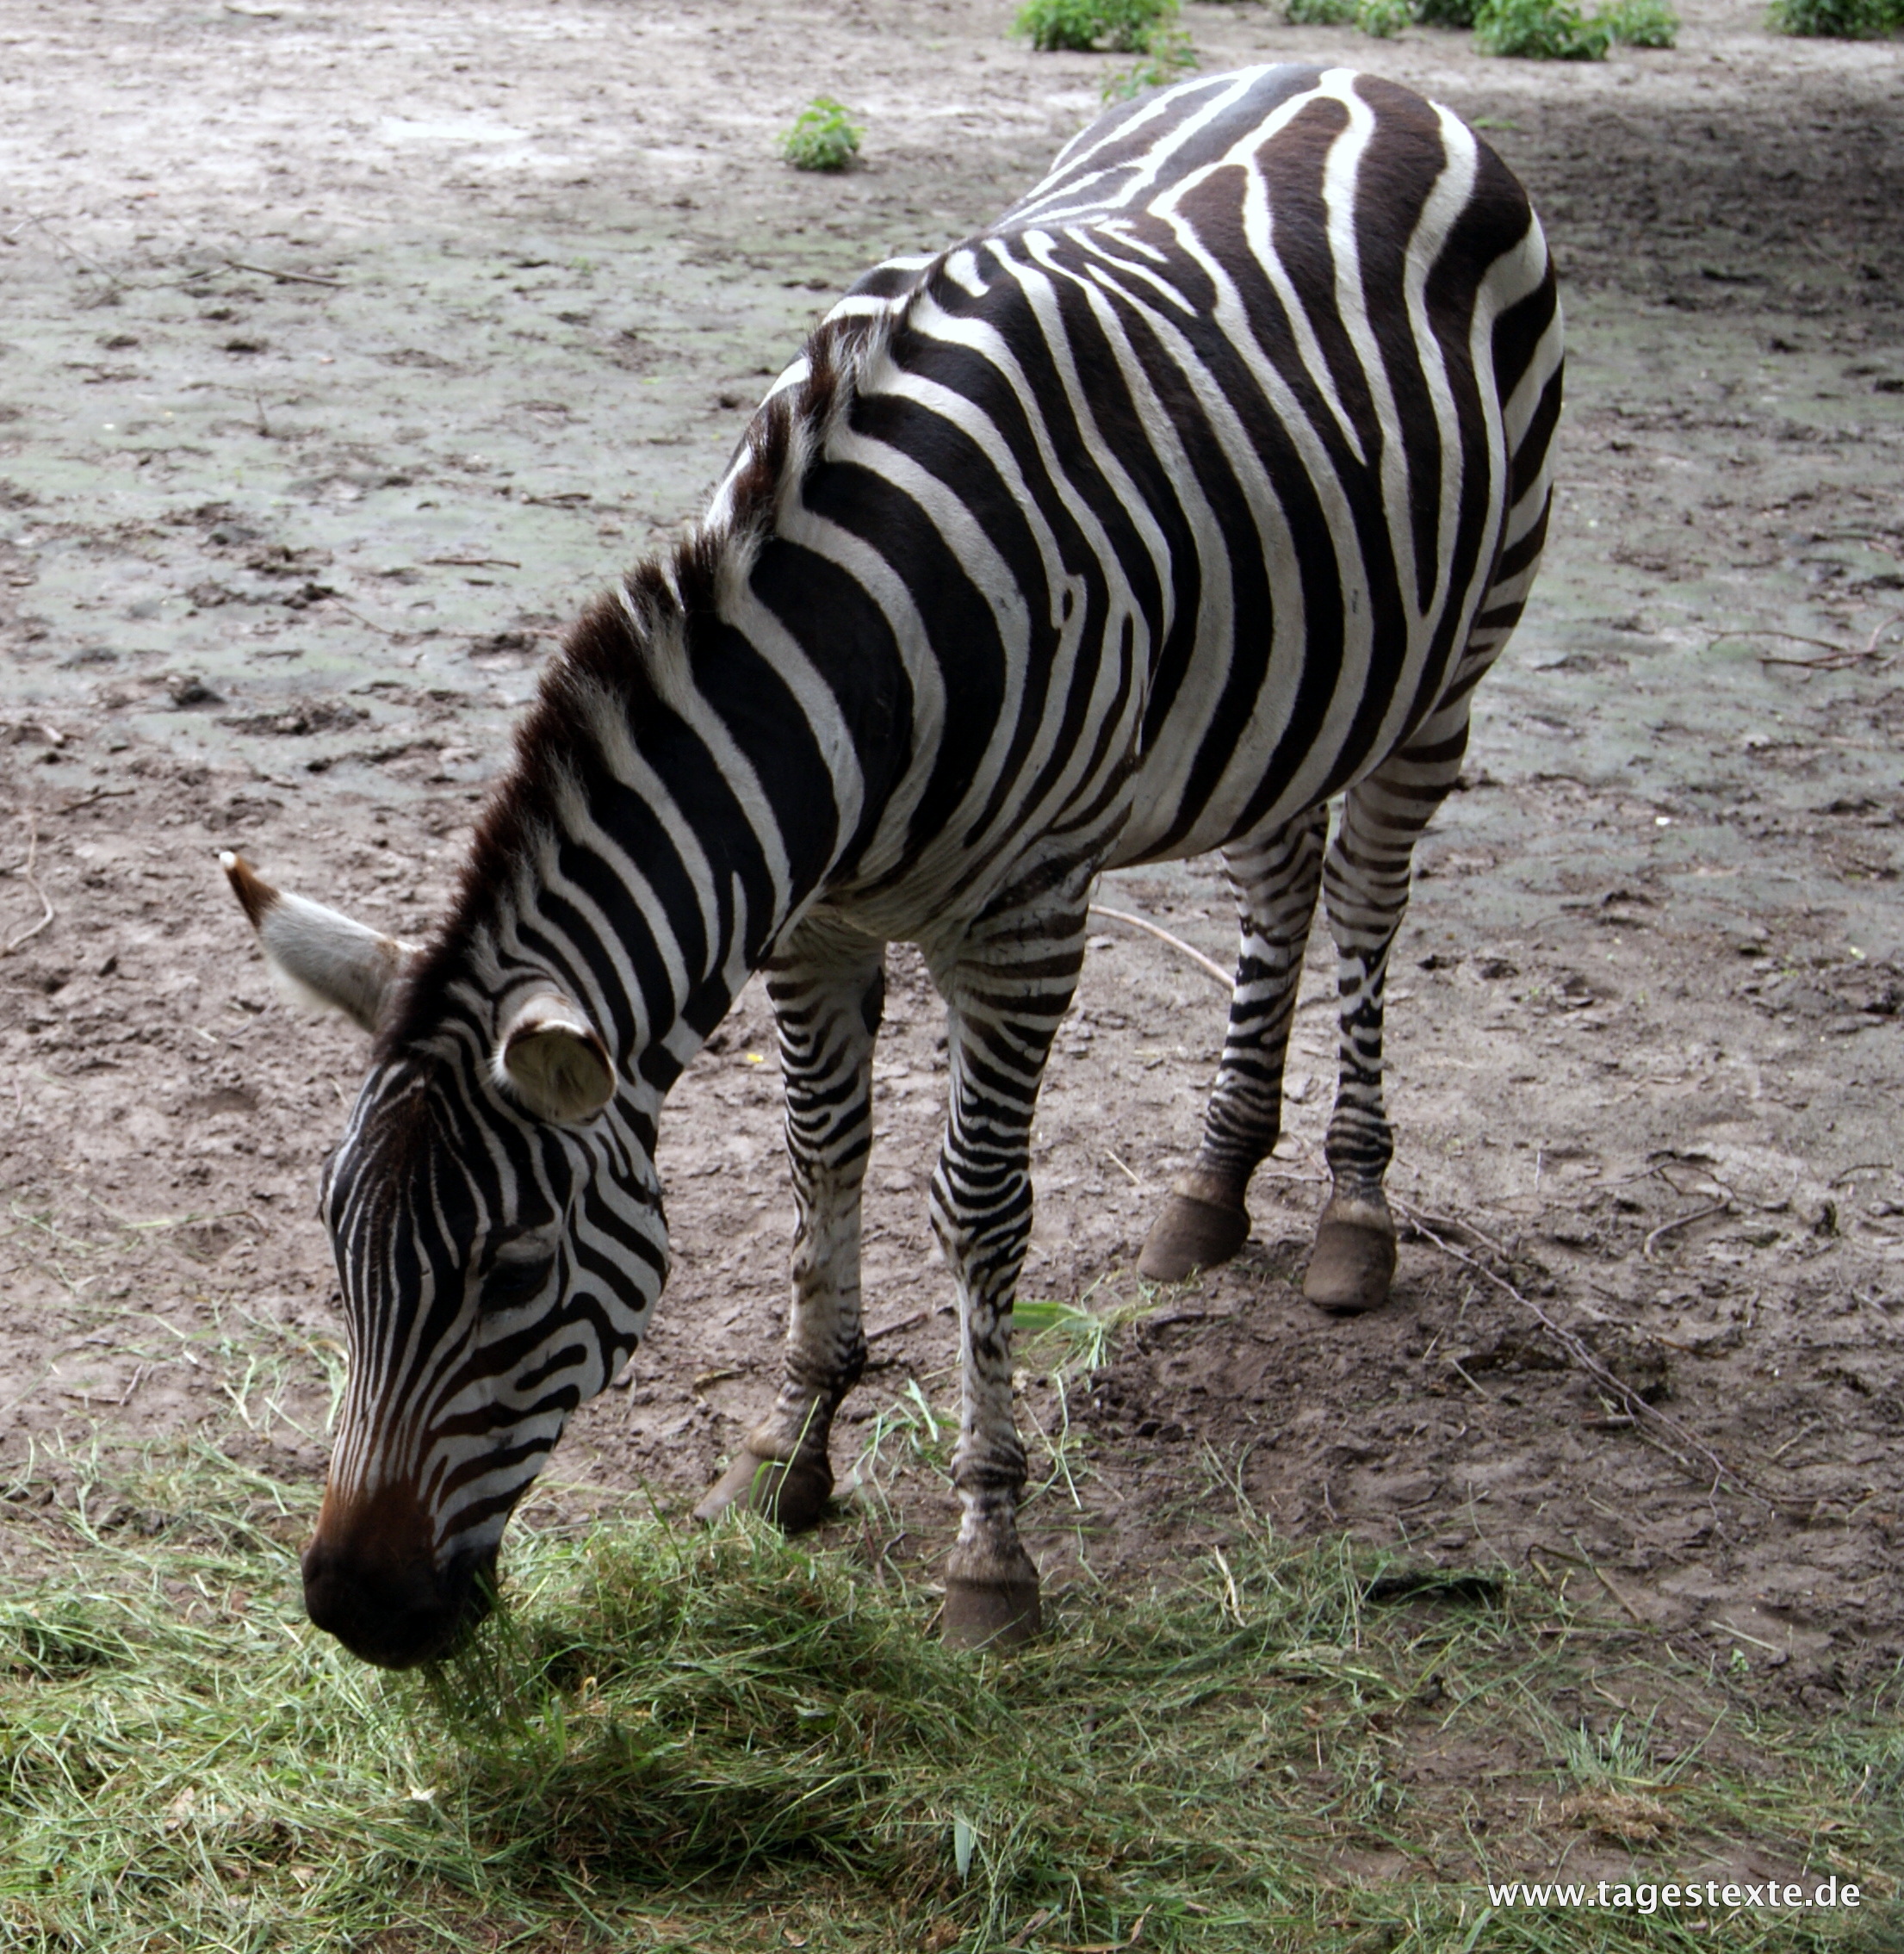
<point x="371" y="1580"/>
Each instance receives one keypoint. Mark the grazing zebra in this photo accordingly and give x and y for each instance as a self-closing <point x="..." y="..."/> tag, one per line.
<point x="1197" y="490"/>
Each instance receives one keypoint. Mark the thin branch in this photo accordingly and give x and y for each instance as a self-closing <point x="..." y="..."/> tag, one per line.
<point x="1766" y="631"/>
<point x="1838" y="657"/>
<point x="1685" y="1221"/>
<point x="25" y="872"/>
<point x="369" y="624"/>
<point x="1672" y="1438"/>
<point x="287" y="277"/>
<point x="1149" y="928"/>
<point x="1122" y="1168"/>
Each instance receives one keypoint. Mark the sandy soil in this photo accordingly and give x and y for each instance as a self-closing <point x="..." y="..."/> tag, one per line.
<point x="343" y="351"/>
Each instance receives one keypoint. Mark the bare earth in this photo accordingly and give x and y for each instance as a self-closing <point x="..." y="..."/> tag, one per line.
<point x="279" y="557"/>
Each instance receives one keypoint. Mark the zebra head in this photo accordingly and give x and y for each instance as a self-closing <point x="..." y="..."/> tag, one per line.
<point x="499" y="1242"/>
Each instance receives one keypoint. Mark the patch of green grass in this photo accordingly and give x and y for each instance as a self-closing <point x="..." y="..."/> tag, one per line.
<point x="1539" y="30"/>
<point x="1119" y="27"/>
<point x="1838" y="19"/>
<point x="823" y="136"/>
<point x="1445" y="13"/>
<point x="1642" y="23"/>
<point x="1384" y="19"/>
<point x="1319" y="13"/>
<point x="719" y="1739"/>
<point x="1079" y="1336"/>
<point x="1168" y="57"/>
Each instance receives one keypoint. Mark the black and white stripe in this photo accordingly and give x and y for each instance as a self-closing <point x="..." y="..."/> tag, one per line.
<point x="1197" y="492"/>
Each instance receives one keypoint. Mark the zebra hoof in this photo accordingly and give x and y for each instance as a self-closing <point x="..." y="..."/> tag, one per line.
<point x="1192" y="1233"/>
<point x="998" y="1613"/>
<point x="792" y="1493"/>
<point x="1354" y="1260"/>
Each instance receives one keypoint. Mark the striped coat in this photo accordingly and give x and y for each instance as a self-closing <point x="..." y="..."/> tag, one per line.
<point x="1196" y="492"/>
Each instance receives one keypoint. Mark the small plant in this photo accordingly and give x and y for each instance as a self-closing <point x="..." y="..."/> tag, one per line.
<point x="1319" y="13"/>
<point x="1119" y="27"/>
<point x="1169" y="58"/>
<point x="1384" y="19"/>
<point x="1838" y="19"/>
<point x="1642" y="23"/>
<point x="1445" y="13"/>
<point x="823" y="137"/>
<point x="1539" y="30"/>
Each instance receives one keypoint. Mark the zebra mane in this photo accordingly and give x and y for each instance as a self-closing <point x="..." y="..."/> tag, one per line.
<point x="626" y="659"/>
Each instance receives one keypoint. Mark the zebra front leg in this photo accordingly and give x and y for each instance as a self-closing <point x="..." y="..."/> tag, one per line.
<point x="1012" y="983"/>
<point x="827" y="985"/>
<point x="1365" y="890"/>
<point x="1204" y="1221"/>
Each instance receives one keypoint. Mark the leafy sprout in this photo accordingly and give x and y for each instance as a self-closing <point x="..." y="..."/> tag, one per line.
<point x="1838" y="19"/>
<point x="823" y="137"/>
<point x="1117" y="27"/>
<point x="1167" y="58"/>
<point x="1539" y="30"/>
<point x="1642" y="23"/>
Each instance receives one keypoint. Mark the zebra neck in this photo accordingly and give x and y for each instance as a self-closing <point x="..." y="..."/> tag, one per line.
<point x="688" y="784"/>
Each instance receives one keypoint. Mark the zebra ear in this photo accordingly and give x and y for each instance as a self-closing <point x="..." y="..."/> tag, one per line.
<point x="555" y="1061"/>
<point x="323" y="958"/>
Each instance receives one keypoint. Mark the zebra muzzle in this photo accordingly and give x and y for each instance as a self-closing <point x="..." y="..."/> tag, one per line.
<point x="376" y="1585"/>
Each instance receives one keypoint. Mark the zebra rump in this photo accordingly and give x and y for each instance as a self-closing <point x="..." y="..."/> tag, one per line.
<point x="1194" y="495"/>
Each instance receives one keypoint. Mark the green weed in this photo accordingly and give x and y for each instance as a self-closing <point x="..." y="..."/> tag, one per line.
<point x="1079" y="1336"/>
<point x="1120" y="27"/>
<point x="822" y="137"/>
<point x="1840" y="19"/>
<point x="1642" y="23"/>
<point x="1539" y="30"/>
<point x="1384" y="19"/>
<point x="1167" y="58"/>
<point x="1319" y="13"/>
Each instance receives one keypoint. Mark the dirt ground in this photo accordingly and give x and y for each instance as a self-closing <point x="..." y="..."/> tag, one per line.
<point x="343" y="351"/>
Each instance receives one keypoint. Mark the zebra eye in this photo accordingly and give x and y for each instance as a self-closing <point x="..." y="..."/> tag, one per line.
<point x="516" y="1281"/>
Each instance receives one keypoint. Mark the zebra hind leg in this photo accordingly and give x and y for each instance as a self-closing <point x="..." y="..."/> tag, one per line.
<point x="1010" y="985"/>
<point x="829" y="989"/>
<point x="1365" y="890"/>
<point x="1204" y="1221"/>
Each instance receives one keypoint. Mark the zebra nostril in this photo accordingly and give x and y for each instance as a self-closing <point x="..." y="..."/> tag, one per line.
<point x="395" y="1613"/>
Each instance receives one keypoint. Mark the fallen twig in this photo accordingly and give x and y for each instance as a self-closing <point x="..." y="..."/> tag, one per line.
<point x="1466" y="1227"/>
<point x="1684" y="1221"/>
<point x="1838" y="657"/>
<point x="287" y="277"/>
<point x="93" y="794"/>
<point x="63" y="242"/>
<point x="1599" y="1574"/>
<point x="1456" y="1364"/>
<point x="1149" y="928"/>
<point x="370" y="624"/>
<point x="1671" y="1438"/>
<point x="1122" y="1168"/>
<point x="475" y="563"/>
<point x="1766" y="631"/>
<point x="26" y="874"/>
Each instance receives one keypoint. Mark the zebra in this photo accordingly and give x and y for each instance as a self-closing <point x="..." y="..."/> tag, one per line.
<point x="1192" y="496"/>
